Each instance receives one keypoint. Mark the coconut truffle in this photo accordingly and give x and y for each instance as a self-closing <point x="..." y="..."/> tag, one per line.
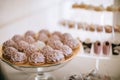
<point x="29" y="39"/>
<point x="71" y="24"/>
<point x="67" y="51"/>
<point x="8" y="43"/>
<point x="46" y="50"/>
<point x="66" y="36"/>
<point x="92" y="27"/>
<point x="99" y="28"/>
<point x="99" y="8"/>
<point x="17" y="38"/>
<point x="8" y="51"/>
<point x="55" y="37"/>
<point x="22" y="45"/>
<point x="30" y="49"/>
<point x="59" y="34"/>
<point x="108" y="29"/>
<point x="55" y="44"/>
<point x="30" y="33"/>
<point x="117" y="28"/>
<point x="36" y="58"/>
<point x="54" y="56"/>
<point x="72" y="43"/>
<point x="39" y="45"/>
<point x="18" y="58"/>
<point x="42" y="37"/>
<point x="44" y="31"/>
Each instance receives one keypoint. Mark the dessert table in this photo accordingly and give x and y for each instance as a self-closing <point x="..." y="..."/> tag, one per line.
<point x="38" y="20"/>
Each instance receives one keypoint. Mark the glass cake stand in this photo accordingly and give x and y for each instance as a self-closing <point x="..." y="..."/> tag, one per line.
<point x="38" y="72"/>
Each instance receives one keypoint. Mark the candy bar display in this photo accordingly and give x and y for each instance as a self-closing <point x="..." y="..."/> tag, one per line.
<point x="97" y="21"/>
<point x="111" y="8"/>
<point x="103" y="48"/>
<point x="91" y="27"/>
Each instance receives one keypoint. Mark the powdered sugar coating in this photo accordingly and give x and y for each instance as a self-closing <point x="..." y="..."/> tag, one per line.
<point x="22" y="45"/>
<point x="66" y="36"/>
<point x="44" y="31"/>
<point x="37" y="57"/>
<point x="29" y="39"/>
<point x="54" y="56"/>
<point x="30" y="49"/>
<point x="17" y="38"/>
<point x="18" y="57"/>
<point x="66" y="50"/>
<point x="46" y="50"/>
<point x="9" y="43"/>
<point x="39" y="45"/>
<point x="57" y="33"/>
<point x="42" y="37"/>
<point x="7" y="52"/>
<point x="30" y="33"/>
<point x="55" y="44"/>
<point x="72" y="43"/>
<point x="55" y="37"/>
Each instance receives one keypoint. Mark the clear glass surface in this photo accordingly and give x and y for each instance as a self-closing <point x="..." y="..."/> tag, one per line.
<point x="38" y="72"/>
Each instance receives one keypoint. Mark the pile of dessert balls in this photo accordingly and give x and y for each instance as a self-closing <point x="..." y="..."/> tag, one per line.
<point x="42" y="47"/>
